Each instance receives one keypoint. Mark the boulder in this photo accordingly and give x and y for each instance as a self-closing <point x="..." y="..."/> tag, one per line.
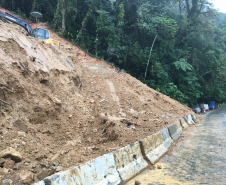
<point x="27" y="177"/>
<point x="11" y="153"/>
<point x="43" y="175"/>
<point x="9" y="163"/>
<point x="3" y="171"/>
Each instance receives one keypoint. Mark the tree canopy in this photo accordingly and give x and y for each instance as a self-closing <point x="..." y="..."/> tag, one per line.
<point x="187" y="61"/>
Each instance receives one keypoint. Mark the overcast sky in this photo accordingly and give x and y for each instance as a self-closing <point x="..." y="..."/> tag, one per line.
<point x="220" y="4"/>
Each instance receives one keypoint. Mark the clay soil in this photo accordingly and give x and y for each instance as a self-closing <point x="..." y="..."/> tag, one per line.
<point x="67" y="107"/>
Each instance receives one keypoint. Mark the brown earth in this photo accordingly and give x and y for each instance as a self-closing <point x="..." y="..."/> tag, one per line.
<point x="68" y="108"/>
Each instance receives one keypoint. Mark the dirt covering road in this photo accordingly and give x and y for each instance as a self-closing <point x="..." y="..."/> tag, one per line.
<point x="198" y="157"/>
<point x="60" y="107"/>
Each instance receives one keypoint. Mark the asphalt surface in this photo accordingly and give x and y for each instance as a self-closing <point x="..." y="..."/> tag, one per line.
<point x="199" y="157"/>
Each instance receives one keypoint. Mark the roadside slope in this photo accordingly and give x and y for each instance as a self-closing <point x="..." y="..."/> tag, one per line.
<point x="68" y="108"/>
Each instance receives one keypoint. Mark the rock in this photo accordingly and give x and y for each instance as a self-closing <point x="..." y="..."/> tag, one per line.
<point x="34" y="170"/>
<point x="7" y="181"/>
<point x="2" y="161"/>
<point x="20" y="125"/>
<point x="103" y="131"/>
<point x="137" y="182"/>
<point x="56" y="101"/>
<point x="159" y="167"/>
<point x="59" y="168"/>
<point x="43" y="175"/>
<point x="9" y="164"/>
<point x="16" y="167"/>
<point x="55" y="163"/>
<point x="3" y="171"/>
<point x="81" y="159"/>
<point x="27" y="177"/>
<point x="11" y="153"/>
<point x="44" y="165"/>
<point x="92" y="101"/>
<point x="102" y="100"/>
<point x="28" y="161"/>
<point x="89" y="139"/>
<point x="52" y="171"/>
<point x="113" y="136"/>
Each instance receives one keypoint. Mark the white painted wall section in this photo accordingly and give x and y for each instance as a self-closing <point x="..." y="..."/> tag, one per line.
<point x="175" y="130"/>
<point x="156" y="145"/>
<point x="129" y="161"/>
<point x="101" y="171"/>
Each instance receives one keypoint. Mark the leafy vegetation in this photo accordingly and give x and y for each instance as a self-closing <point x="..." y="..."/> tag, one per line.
<point x="187" y="61"/>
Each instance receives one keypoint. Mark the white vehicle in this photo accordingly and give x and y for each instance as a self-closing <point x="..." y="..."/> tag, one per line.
<point x="206" y="107"/>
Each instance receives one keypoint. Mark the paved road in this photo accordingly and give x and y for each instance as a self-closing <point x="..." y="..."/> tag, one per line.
<point x="198" y="158"/>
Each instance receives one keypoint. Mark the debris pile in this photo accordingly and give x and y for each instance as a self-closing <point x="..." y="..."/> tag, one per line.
<point x="60" y="107"/>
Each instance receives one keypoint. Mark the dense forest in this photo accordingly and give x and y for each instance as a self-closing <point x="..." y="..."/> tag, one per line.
<point x="182" y="41"/>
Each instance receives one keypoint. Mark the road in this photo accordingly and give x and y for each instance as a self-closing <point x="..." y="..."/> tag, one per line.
<point x="199" y="157"/>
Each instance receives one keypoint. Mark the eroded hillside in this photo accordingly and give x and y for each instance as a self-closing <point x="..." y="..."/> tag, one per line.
<point x="65" y="108"/>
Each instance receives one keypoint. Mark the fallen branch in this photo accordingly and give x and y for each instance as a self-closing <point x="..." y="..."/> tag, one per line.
<point x="25" y="69"/>
<point x="4" y="88"/>
<point x="30" y="70"/>
<point x="5" y="102"/>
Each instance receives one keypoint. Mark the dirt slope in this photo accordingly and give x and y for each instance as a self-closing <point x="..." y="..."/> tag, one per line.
<point x="68" y="108"/>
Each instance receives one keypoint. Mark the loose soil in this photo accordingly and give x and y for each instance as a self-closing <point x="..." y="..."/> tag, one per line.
<point x="67" y="107"/>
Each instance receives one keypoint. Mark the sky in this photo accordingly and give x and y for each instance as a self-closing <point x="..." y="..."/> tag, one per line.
<point x="220" y="4"/>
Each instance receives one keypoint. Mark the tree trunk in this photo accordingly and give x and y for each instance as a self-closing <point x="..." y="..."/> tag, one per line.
<point x="84" y="22"/>
<point x="2" y="2"/>
<point x="188" y="8"/>
<point x="96" y="44"/>
<point x="194" y="8"/>
<point x="63" y="19"/>
<point x="149" y="58"/>
<point x="12" y="3"/>
<point x="33" y="5"/>
<point x="180" y="6"/>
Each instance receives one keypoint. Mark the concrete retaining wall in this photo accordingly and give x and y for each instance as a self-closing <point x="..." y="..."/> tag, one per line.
<point x="167" y="140"/>
<point x="189" y="119"/>
<point x="129" y="161"/>
<point x="175" y="130"/>
<point x="156" y="145"/>
<point x="193" y="118"/>
<point x="184" y="123"/>
<point x="122" y="164"/>
<point x="101" y="171"/>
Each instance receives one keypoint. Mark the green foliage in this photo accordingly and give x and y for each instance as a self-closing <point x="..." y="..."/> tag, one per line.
<point x="182" y="64"/>
<point x="172" y="90"/>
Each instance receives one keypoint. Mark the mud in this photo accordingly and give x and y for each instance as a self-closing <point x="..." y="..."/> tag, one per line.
<point x="67" y="107"/>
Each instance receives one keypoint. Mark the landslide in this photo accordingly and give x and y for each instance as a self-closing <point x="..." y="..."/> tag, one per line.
<point x="67" y="108"/>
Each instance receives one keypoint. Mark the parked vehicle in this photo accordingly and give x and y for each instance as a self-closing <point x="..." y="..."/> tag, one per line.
<point x="206" y="106"/>
<point x="212" y="105"/>
<point x="197" y="109"/>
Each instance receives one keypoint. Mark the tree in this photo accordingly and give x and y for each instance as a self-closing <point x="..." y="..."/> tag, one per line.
<point x="187" y="61"/>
